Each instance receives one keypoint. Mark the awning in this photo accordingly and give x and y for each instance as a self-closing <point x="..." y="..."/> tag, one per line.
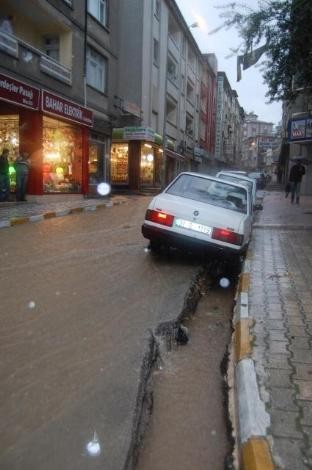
<point x="177" y="156"/>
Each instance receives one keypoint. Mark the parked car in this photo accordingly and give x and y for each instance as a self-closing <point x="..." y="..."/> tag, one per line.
<point x="241" y="179"/>
<point x="200" y="212"/>
<point x="259" y="176"/>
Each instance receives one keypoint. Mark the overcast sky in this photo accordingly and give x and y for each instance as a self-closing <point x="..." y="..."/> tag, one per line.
<point x="251" y="90"/>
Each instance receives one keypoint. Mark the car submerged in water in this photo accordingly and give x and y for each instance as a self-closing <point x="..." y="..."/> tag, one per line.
<point x="198" y="212"/>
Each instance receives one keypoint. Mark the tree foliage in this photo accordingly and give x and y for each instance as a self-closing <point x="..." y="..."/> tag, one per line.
<point x="285" y="26"/>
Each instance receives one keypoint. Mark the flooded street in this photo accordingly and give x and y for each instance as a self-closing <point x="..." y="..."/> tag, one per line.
<point x="188" y="426"/>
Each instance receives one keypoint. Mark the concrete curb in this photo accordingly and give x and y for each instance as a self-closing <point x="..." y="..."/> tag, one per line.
<point x="251" y="418"/>
<point x="57" y="213"/>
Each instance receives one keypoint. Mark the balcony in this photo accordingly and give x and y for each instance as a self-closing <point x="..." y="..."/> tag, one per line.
<point x="34" y="58"/>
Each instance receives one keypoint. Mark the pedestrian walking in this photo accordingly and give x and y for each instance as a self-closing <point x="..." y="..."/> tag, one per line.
<point x="4" y="175"/>
<point x="22" y="166"/>
<point x="295" y="178"/>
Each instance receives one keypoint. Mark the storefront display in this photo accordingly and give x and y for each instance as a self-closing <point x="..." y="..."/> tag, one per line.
<point x="119" y="164"/>
<point x="61" y="157"/>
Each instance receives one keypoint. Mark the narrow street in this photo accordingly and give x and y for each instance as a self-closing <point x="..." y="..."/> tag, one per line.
<point x="82" y="296"/>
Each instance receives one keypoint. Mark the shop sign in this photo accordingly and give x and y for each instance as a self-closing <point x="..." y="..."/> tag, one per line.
<point x="19" y="93"/>
<point x="139" y="133"/>
<point x="54" y="104"/>
<point x="300" y="129"/>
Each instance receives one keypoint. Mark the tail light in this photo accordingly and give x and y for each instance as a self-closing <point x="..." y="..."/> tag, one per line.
<point x="227" y="236"/>
<point x="159" y="217"/>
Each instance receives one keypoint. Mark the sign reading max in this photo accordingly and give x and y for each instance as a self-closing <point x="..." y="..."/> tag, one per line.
<point x="56" y="105"/>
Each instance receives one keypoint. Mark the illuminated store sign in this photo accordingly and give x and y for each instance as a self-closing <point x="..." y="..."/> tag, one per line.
<point x="300" y="129"/>
<point x="20" y="93"/>
<point x="54" y="104"/>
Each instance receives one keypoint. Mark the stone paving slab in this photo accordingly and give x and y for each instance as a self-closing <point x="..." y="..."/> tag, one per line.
<point x="280" y="304"/>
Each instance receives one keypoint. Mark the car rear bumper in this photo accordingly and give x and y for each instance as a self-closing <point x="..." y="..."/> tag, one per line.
<point x="184" y="242"/>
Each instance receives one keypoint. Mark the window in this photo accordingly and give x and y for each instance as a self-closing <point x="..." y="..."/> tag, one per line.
<point x="156" y="52"/>
<point x="171" y="111"/>
<point x="190" y="95"/>
<point x="172" y="70"/>
<point x="52" y="47"/>
<point x="189" y="125"/>
<point x="99" y="9"/>
<point x="157" y="8"/>
<point x="96" y="70"/>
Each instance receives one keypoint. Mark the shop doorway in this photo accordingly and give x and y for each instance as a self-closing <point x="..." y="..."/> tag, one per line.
<point x="120" y="164"/>
<point x="98" y="171"/>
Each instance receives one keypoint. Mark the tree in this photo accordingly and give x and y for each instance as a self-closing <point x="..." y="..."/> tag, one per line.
<point x="283" y="27"/>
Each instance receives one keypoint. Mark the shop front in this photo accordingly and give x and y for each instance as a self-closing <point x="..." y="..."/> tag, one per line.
<point x="53" y="130"/>
<point x="136" y="158"/>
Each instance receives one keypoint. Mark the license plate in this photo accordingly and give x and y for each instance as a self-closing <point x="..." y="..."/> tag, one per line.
<point x="193" y="226"/>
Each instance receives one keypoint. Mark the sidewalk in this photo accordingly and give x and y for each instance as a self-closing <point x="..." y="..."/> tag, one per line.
<point x="273" y="371"/>
<point x="16" y="213"/>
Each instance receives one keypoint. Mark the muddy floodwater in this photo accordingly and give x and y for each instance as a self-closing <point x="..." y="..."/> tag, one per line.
<point x="188" y="428"/>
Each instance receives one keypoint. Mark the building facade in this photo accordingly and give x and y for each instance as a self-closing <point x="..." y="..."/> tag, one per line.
<point x="229" y="122"/>
<point x="159" y="90"/>
<point x="55" y="90"/>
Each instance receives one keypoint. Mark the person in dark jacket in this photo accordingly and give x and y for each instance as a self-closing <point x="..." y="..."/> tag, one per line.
<point x="295" y="178"/>
<point x="4" y="175"/>
<point x="22" y="166"/>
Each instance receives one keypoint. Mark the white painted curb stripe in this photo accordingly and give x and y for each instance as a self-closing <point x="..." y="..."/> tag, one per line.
<point x="253" y="419"/>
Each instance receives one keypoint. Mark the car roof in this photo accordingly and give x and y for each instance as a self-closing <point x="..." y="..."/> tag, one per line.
<point x="209" y="177"/>
<point x="236" y="175"/>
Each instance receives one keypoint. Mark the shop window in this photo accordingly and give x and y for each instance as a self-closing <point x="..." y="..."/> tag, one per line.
<point x="9" y="139"/>
<point x="99" y="9"/>
<point x="62" y="157"/>
<point x="96" y="70"/>
<point x="119" y="164"/>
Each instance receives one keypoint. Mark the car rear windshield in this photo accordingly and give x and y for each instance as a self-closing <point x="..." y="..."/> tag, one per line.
<point x="210" y="192"/>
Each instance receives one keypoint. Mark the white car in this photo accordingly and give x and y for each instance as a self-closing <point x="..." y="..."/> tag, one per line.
<point x="200" y="212"/>
<point x="240" y="179"/>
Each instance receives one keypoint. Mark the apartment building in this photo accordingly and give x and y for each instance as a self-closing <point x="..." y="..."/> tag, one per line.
<point x="258" y="137"/>
<point x="158" y="95"/>
<point x="56" y="95"/>
<point x="207" y="131"/>
<point x="229" y="121"/>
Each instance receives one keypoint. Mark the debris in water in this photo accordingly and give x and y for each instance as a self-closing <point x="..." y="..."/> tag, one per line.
<point x="224" y="282"/>
<point x="181" y="335"/>
<point x="93" y="447"/>
<point x="31" y="304"/>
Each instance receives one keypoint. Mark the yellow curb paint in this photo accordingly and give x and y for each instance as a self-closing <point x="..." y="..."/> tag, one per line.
<point x="244" y="282"/>
<point x="256" y="455"/>
<point x="76" y="210"/>
<point x="242" y="339"/>
<point x="19" y="221"/>
<point x="49" y="215"/>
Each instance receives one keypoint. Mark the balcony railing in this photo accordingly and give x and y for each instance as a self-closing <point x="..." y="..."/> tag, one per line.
<point x="8" y="44"/>
<point x="55" y="69"/>
<point x="16" y="47"/>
